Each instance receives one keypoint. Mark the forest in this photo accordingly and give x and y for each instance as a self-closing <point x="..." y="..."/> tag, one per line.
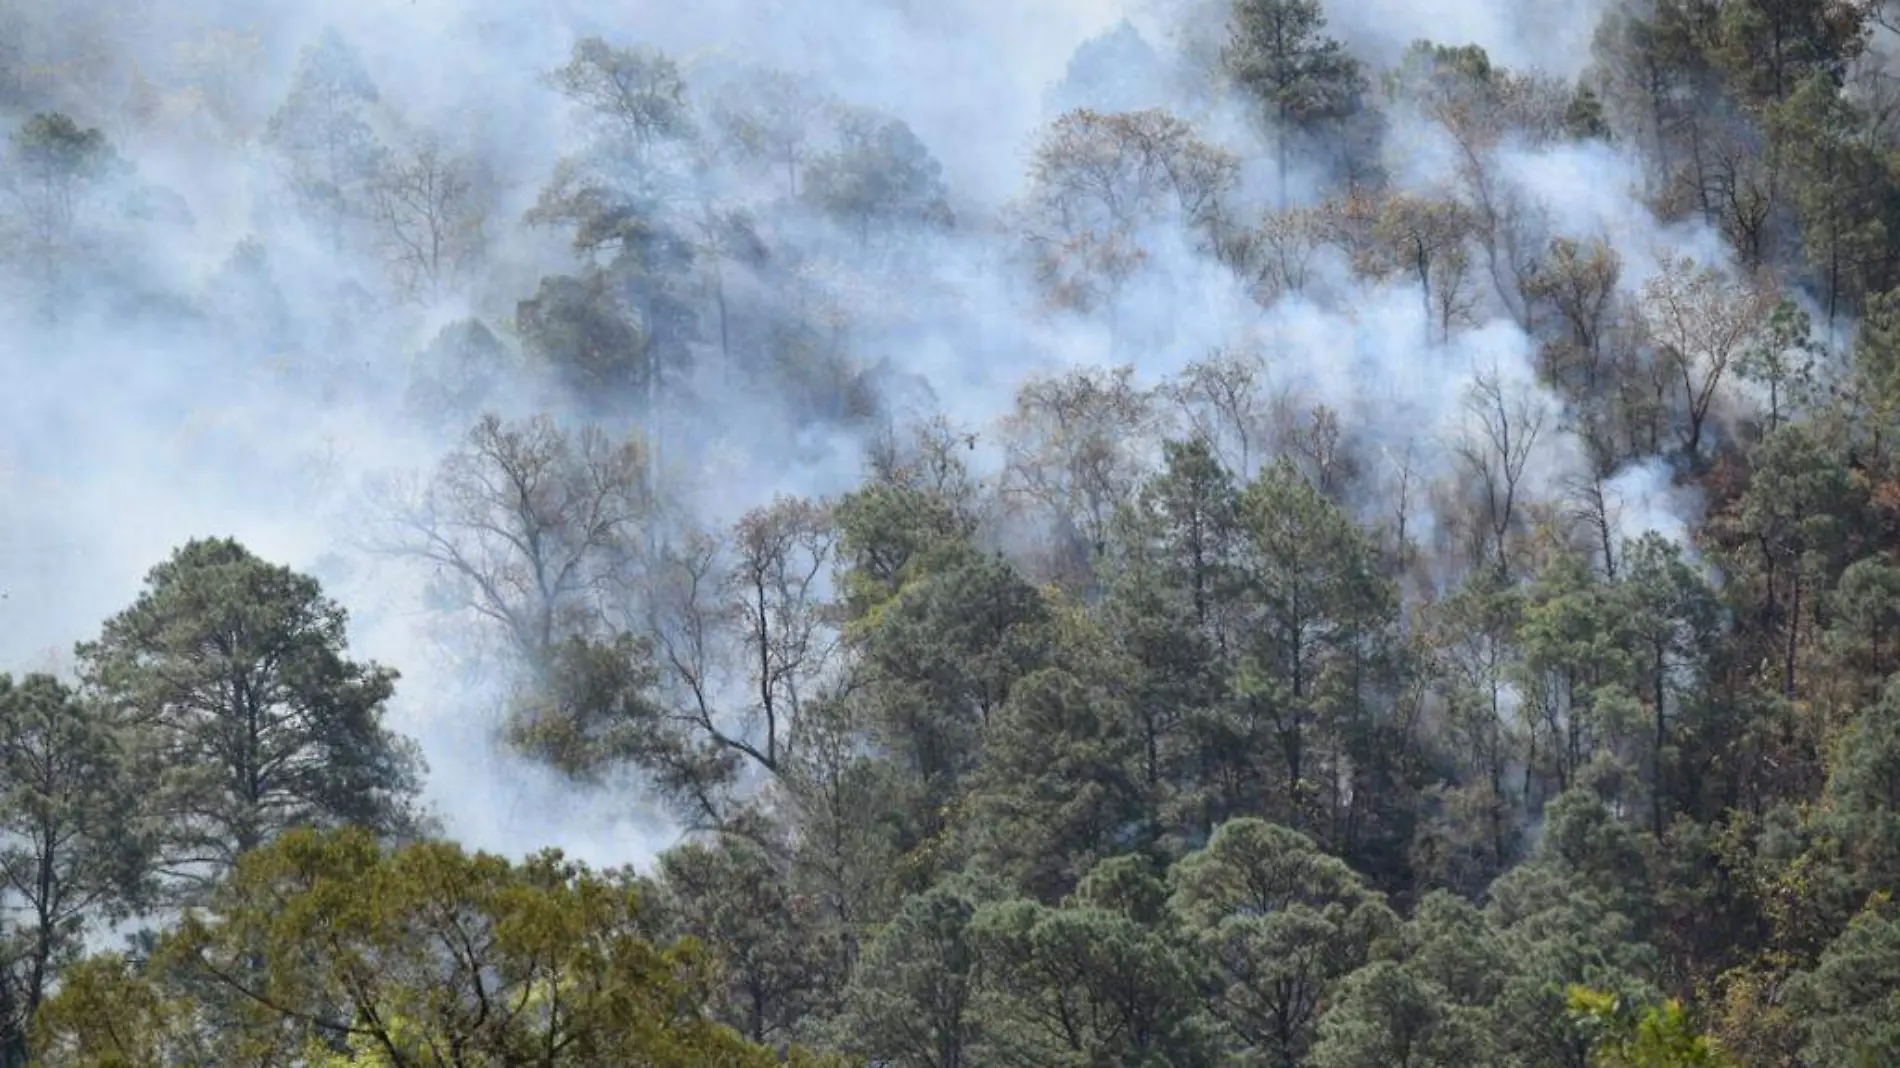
<point x="809" y="535"/>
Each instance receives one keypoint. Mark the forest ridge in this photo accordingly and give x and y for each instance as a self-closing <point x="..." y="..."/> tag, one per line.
<point x="1423" y="595"/>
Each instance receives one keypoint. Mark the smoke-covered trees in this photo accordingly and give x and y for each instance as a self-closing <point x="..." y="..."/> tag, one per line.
<point x="457" y="375"/>
<point x="1073" y="444"/>
<point x="534" y="529"/>
<point x="1702" y="323"/>
<point x="773" y="117"/>
<point x="1114" y="72"/>
<point x="620" y="327"/>
<point x="1308" y="84"/>
<point x="1450" y="634"/>
<point x="55" y="171"/>
<point x="325" y="129"/>
<point x="429" y="210"/>
<point x="880" y="177"/>
<point x="1100" y="187"/>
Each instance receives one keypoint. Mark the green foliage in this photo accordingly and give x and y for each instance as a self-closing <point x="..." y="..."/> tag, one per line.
<point x="1848" y="999"/>
<point x="1307" y="83"/>
<point x="231" y="673"/>
<point x="779" y="961"/>
<point x="912" y="1000"/>
<point x="1059" y="789"/>
<point x="330" y="949"/>
<point x="1384" y="1014"/>
<point x="76" y="842"/>
<point x="1278" y="923"/>
<point x="1076" y="986"/>
<point x="1655" y="1036"/>
<point x="1205" y="725"/>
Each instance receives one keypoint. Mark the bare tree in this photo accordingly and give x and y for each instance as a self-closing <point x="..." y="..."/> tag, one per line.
<point x="929" y="455"/>
<point x="1223" y="399"/>
<point x="1424" y="238"/>
<point x="1593" y="504"/>
<point x="429" y="213"/>
<point x="1702" y="322"/>
<point x="784" y="552"/>
<point x="1479" y="106"/>
<point x="773" y="117"/>
<point x="713" y="610"/>
<point x="1739" y="182"/>
<point x="1324" y="451"/>
<point x="1077" y="445"/>
<point x="1401" y="480"/>
<point x="1276" y="257"/>
<point x="1350" y="223"/>
<point x="1099" y="182"/>
<point x="533" y="527"/>
<point x="1502" y="427"/>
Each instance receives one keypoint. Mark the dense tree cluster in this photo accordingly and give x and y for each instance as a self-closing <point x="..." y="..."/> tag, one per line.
<point x="1188" y="721"/>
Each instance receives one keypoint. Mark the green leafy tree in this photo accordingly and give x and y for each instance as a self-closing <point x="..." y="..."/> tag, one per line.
<point x="1278" y="924"/>
<point x="1769" y="47"/>
<point x="1167" y="613"/>
<point x="1842" y="189"/>
<point x="1656" y="1036"/>
<point x="1318" y="610"/>
<point x="1847" y="999"/>
<point x="328" y="949"/>
<point x="1185" y="525"/>
<point x="1673" y="620"/>
<point x="1860" y="809"/>
<point x="1471" y="834"/>
<point x="1058" y="789"/>
<point x="912" y="1002"/>
<point x="251" y="719"/>
<point x="1081" y="985"/>
<point x="1653" y="63"/>
<point x="75" y="841"/>
<point x="1555" y="928"/>
<point x="779" y="960"/>
<point x="939" y="663"/>
<point x="1385" y="1014"/>
<point x="1308" y="83"/>
<point x="1449" y="943"/>
<point x="1786" y="540"/>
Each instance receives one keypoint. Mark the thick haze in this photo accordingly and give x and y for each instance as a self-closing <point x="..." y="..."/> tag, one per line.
<point x="131" y="427"/>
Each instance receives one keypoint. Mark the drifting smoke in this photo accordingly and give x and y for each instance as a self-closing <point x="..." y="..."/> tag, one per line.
<point x="242" y="377"/>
